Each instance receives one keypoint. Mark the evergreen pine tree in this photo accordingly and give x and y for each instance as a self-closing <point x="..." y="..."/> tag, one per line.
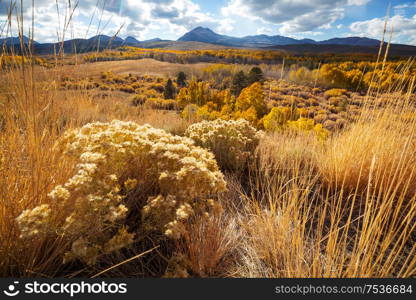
<point x="255" y="75"/>
<point x="169" y="92"/>
<point x="239" y="83"/>
<point x="181" y="79"/>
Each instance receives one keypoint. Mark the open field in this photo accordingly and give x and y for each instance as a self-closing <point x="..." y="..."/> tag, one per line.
<point x="142" y="67"/>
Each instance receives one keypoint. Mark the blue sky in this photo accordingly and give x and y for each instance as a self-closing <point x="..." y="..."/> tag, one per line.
<point x="169" y="19"/>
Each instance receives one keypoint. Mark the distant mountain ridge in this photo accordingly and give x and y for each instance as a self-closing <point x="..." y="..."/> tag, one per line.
<point x="204" y="38"/>
<point x="206" y="35"/>
<point x="198" y="34"/>
<point x="131" y="40"/>
<point x="98" y="42"/>
<point x="10" y="41"/>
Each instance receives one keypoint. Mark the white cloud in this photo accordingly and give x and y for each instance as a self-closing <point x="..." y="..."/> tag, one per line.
<point x="318" y="19"/>
<point x="293" y="16"/>
<point x="171" y="18"/>
<point x="225" y="26"/>
<point x="358" y="2"/>
<point x="404" y="29"/>
<point x="404" y="9"/>
<point x="140" y="17"/>
<point x="405" y="5"/>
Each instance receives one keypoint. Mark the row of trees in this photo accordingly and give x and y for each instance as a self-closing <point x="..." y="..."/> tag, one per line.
<point x="241" y="80"/>
<point x="357" y="76"/>
<point x="233" y="56"/>
<point x="199" y="102"/>
<point x="245" y="99"/>
<point x="169" y="91"/>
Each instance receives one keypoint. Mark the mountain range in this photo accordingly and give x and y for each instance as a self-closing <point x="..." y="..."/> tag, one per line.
<point x="100" y="42"/>
<point x="206" y="35"/>
<point x="201" y="38"/>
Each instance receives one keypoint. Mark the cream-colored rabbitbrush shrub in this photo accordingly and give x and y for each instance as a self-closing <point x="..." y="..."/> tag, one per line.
<point x="113" y="159"/>
<point x="232" y="142"/>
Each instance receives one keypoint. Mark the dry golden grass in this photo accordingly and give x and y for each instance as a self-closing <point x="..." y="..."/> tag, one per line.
<point x="377" y="154"/>
<point x="305" y="226"/>
<point x="207" y="251"/>
<point x="144" y="66"/>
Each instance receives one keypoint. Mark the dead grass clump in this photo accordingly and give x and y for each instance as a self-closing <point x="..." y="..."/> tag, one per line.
<point x="378" y="157"/>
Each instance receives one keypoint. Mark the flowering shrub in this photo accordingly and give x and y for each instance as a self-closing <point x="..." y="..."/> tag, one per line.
<point x="114" y="159"/>
<point x="231" y="141"/>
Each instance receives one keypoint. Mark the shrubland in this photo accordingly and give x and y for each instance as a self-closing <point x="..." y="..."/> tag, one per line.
<point x="230" y="173"/>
